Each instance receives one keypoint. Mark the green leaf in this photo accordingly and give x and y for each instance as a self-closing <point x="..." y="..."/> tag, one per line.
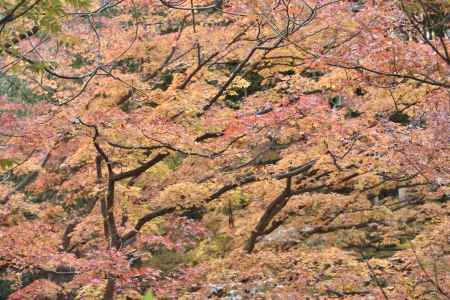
<point x="38" y="67"/>
<point x="83" y="4"/>
<point x="5" y="163"/>
<point x="148" y="295"/>
<point x="78" y="62"/>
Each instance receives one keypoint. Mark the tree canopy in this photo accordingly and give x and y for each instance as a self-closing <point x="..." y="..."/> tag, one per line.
<point x="177" y="149"/>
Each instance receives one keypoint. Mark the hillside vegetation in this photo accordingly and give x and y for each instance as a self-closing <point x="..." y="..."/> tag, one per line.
<point x="199" y="149"/>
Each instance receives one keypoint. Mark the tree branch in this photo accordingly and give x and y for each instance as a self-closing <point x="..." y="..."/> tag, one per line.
<point x="141" y="169"/>
<point x="145" y="219"/>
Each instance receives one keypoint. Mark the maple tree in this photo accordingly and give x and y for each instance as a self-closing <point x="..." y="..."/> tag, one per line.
<point x="167" y="146"/>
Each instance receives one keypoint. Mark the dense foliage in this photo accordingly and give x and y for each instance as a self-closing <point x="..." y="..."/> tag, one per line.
<point x="208" y="149"/>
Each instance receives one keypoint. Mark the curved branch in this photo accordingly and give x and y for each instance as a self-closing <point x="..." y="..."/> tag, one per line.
<point x="272" y="210"/>
<point x="141" y="169"/>
<point x="145" y="219"/>
<point x="10" y="17"/>
<point x="194" y="8"/>
<point x="395" y="75"/>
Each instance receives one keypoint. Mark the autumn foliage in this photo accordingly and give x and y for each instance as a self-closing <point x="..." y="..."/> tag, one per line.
<point x="197" y="149"/>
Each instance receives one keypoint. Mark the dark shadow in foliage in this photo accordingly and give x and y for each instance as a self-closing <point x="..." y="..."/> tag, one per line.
<point x="229" y="65"/>
<point x="444" y="199"/>
<point x="111" y="12"/>
<point x="336" y="102"/>
<point x="382" y="252"/>
<point x="30" y="215"/>
<point x="44" y="196"/>
<point x="313" y="91"/>
<point x="6" y="288"/>
<point x="60" y="275"/>
<point x="129" y="65"/>
<point x="351" y="113"/>
<point x="234" y="101"/>
<point x="22" y="182"/>
<point x="312" y="74"/>
<point x="194" y="213"/>
<point x="170" y="27"/>
<point x="79" y="61"/>
<point x="400" y="118"/>
<point x="81" y="205"/>
<point x="360" y="92"/>
<point x="165" y="81"/>
<point x="219" y="23"/>
<point x="289" y="72"/>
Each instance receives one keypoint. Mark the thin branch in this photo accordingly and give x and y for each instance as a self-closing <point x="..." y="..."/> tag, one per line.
<point x="395" y="75"/>
<point x="230" y="79"/>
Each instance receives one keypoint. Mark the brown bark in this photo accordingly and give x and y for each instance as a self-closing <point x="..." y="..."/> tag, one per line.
<point x="107" y="204"/>
<point x="110" y="287"/>
<point x="98" y="167"/>
<point x="272" y="210"/>
<point x="142" y="221"/>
